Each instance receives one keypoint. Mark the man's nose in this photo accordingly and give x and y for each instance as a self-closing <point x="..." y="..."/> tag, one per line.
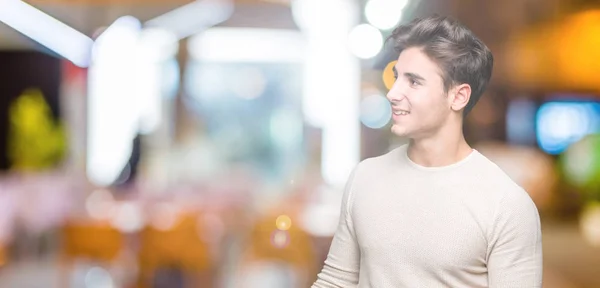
<point x="396" y="94"/>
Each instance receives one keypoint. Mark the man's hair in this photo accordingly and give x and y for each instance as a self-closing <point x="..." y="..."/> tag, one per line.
<point x="461" y="56"/>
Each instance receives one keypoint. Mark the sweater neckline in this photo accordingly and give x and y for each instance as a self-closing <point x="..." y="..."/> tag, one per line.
<point x="438" y="168"/>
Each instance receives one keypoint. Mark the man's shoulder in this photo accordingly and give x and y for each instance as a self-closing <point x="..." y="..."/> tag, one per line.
<point x="491" y="174"/>
<point x="499" y="185"/>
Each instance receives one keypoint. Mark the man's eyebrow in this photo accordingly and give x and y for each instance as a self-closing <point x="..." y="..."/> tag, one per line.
<point x="414" y="76"/>
<point x="409" y="75"/>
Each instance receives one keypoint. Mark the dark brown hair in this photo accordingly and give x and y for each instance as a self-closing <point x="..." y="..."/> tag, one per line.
<point x="461" y="56"/>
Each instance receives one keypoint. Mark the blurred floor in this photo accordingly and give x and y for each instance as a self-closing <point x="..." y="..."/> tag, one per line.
<point x="566" y="256"/>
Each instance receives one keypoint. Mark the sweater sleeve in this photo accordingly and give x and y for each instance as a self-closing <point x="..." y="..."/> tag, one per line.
<point x="515" y="247"/>
<point x="341" y="268"/>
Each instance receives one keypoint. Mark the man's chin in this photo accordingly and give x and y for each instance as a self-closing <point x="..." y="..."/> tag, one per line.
<point x="399" y="130"/>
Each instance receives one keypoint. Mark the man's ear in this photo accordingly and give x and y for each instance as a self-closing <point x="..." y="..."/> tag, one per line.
<point x="462" y="94"/>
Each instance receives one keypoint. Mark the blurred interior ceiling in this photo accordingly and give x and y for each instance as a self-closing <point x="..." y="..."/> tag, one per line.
<point x="493" y="20"/>
<point x="511" y="28"/>
<point x="87" y="16"/>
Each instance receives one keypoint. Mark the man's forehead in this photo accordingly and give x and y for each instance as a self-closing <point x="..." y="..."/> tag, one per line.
<point x="415" y="61"/>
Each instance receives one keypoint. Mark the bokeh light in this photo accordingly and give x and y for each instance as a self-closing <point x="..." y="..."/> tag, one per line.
<point x="375" y="111"/>
<point x="128" y="217"/>
<point x="590" y="223"/>
<point x="283" y="222"/>
<point x="280" y="239"/>
<point x="365" y="41"/>
<point x="164" y="216"/>
<point x="384" y="14"/>
<point x="100" y="204"/>
<point x="581" y="163"/>
<point x="98" y="277"/>
<point x="559" y="124"/>
<point x="315" y="16"/>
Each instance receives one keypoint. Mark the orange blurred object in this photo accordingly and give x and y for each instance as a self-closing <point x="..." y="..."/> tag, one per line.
<point x="178" y="246"/>
<point x="388" y="75"/>
<point x="292" y="245"/>
<point x="92" y="240"/>
<point x="562" y="55"/>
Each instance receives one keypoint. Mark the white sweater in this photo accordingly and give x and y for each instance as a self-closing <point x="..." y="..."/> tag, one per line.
<point x="405" y="225"/>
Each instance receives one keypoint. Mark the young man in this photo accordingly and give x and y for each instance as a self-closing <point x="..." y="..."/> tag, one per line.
<point x="435" y="212"/>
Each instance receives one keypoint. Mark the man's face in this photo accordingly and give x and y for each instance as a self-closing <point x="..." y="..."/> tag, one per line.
<point x="420" y="106"/>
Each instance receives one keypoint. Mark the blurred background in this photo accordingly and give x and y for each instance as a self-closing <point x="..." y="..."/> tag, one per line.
<point x="148" y="143"/>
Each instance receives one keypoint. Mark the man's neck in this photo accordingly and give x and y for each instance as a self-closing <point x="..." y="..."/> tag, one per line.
<point x="441" y="149"/>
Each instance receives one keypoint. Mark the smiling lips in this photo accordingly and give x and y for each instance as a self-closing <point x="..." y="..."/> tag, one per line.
<point x="396" y="110"/>
<point x="401" y="112"/>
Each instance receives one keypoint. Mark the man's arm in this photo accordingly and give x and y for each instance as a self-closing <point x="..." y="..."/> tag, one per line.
<point x="343" y="261"/>
<point x="515" y="252"/>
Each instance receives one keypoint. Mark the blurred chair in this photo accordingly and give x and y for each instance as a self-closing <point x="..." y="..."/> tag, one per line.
<point x="179" y="248"/>
<point x="94" y="241"/>
<point x="292" y="248"/>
